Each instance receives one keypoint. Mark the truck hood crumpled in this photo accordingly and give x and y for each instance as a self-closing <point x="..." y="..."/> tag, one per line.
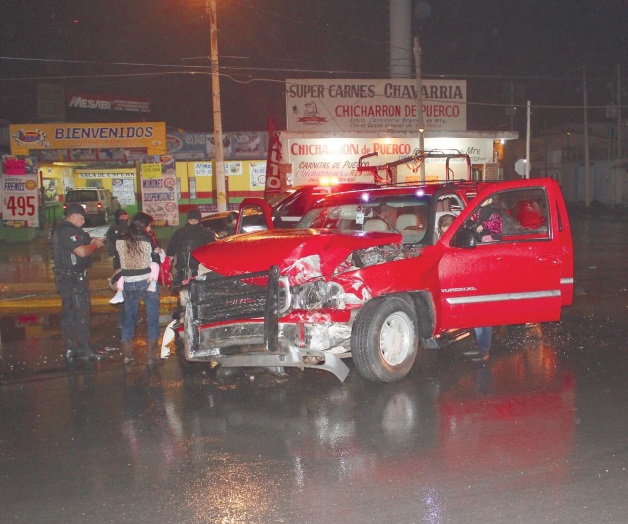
<point x="259" y="251"/>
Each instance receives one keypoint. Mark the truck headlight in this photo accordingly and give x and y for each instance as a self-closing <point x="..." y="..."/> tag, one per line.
<point x="318" y="294"/>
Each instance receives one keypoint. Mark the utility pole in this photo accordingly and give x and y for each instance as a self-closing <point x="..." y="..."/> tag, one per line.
<point x="619" y="151"/>
<point x="587" y="189"/>
<point x="419" y="103"/>
<point x="221" y="189"/>
<point x="618" y="178"/>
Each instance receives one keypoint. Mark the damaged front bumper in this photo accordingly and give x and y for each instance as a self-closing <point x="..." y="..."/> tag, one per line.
<point x="241" y="344"/>
<point x="235" y="322"/>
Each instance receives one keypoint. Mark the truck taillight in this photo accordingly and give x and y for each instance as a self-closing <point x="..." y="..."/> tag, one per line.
<point x="328" y="181"/>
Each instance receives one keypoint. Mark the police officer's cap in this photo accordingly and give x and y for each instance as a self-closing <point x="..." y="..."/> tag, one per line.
<point x="75" y="209"/>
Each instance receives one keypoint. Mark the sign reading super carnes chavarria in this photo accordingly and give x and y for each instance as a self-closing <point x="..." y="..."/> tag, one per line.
<point x="387" y="105"/>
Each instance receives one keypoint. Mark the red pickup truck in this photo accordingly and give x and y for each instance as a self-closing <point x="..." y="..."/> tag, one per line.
<point x="368" y="276"/>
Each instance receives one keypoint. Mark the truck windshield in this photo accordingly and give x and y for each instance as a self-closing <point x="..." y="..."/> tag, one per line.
<point x="406" y="214"/>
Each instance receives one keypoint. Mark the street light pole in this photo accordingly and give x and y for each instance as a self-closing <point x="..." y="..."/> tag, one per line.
<point x="221" y="190"/>
<point x="419" y="103"/>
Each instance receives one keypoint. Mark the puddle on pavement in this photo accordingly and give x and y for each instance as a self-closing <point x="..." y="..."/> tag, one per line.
<point x="31" y="344"/>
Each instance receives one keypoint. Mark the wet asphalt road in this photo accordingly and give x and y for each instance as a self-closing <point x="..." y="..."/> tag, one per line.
<point x="539" y="434"/>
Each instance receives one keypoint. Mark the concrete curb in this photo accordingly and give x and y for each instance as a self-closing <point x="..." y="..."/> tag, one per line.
<point x="46" y="300"/>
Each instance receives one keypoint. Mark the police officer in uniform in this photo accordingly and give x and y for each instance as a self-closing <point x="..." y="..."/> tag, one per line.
<point x="73" y="248"/>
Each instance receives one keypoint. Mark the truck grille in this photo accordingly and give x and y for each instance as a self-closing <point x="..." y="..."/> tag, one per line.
<point x="251" y="295"/>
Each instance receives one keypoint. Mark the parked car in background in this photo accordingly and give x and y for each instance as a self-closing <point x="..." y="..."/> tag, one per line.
<point x="98" y="203"/>
<point x="290" y="206"/>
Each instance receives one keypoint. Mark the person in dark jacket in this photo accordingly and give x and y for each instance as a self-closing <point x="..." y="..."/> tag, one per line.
<point x="115" y="231"/>
<point x="72" y="250"/>
<point x="185" y="240"/>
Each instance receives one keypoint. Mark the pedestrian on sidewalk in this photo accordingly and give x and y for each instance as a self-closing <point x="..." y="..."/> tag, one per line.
<point x="137" y="250"/>
<point x="72" y="251"/>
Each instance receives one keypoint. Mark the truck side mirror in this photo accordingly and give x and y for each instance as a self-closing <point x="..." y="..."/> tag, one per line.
<point x="464" y="238"/>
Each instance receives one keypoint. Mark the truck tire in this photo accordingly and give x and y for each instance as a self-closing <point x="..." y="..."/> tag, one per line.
<point x="384" y="340"/>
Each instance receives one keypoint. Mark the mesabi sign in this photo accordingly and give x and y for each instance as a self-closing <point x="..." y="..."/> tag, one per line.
<point x="104" y="102"/>
<point x="388" y="105"/>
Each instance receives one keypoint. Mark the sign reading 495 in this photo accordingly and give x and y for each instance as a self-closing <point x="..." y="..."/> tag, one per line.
<point x="19" y="202"/>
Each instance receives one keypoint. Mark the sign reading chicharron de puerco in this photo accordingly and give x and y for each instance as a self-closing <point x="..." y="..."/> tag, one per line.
<point x="383" y="105"/>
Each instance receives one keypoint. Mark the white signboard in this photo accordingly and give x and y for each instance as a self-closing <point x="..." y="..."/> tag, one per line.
<point x="315" y="158"/>
<point x="124" y="191"/>
<point x="19" y="201"/>
<point x="233" y="168"/>
<point x="387" y="105"/>
<point x="203" y="169"/>
<point x="159" y="199"/>
<point x="257" y="174"/>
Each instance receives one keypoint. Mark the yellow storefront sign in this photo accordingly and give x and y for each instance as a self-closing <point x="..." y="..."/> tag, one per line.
<point x="151" y="171"/>
<point x="149" y="135"/>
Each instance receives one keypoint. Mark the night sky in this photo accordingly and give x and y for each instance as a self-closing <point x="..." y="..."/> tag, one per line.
<point x="158" y="49"/>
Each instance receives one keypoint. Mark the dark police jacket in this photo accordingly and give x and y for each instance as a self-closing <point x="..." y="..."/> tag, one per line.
<point x="65" y="239"/>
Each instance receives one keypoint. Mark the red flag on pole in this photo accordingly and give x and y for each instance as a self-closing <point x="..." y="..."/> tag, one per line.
<point x="273" y="177"/>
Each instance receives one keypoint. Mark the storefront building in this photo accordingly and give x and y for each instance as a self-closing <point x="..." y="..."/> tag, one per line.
<point x="146" y="167"/>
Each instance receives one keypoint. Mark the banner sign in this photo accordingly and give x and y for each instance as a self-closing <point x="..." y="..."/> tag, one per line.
<point x="272" y="184"/>
<point x="119" y="156"/>
<point x="312" y="159"/>
<point x="98" y="173"/>
<point x="187" y="146"/>
<point x="20" y="200"/>
<point x="149" y="135"/>
<point x="246" y="145"/>
<point x="387" y="105"/>
<point x="108" y="103"/>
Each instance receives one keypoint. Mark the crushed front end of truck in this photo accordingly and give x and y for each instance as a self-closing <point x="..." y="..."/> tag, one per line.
<point x="299" y="315"/>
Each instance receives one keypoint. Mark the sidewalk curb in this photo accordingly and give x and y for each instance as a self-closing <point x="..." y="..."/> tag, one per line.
<point x="35" y="301"/>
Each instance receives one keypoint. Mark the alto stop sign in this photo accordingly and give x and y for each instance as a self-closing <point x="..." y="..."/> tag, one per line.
<point x="520" y="167"/>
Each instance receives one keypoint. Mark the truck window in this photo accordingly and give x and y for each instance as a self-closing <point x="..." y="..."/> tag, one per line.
<point x="513" y="215"/>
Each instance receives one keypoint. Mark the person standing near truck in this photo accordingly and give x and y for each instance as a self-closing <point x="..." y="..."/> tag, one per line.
<point x="72" y="251"/>
<point x="488" y="228"/>
<point x="138" y="250"/>
<point x="185" y="240"/>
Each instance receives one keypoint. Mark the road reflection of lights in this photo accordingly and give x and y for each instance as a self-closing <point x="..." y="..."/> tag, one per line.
<point x="433" y="509"/>
<point x="399" y="418"/>
<point x="299" y="474"/>
<point x="334" y="433"/>
<point x="234" y="492"/>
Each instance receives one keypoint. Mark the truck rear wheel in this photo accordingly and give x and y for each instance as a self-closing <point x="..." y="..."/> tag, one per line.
<point x="384" y="339"/>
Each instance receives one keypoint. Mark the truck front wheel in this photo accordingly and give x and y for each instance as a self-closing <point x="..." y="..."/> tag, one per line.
<point x="384" y="339"/>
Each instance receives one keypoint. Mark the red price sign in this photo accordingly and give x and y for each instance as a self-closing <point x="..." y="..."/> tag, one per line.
<point x="21" y="206"/>
<point x="19" y="202"/>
